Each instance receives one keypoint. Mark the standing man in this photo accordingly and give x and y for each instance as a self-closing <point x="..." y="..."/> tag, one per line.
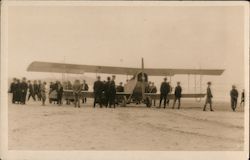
<point x="39" y="89"/>
<point x="43" y="93"/>
<point x="242" y="98"/>
<point x="31" y="91"/>
<point x="13" y="90"/>
<point x="77" y="89"/>
<point x="85" y="87"/>
<point x="112" y="100"/>
<point x="36" y="89"/>
<point x="24" y="88"/>
<point x="59" y="93"/>
<point x="165" y="89"/>
<point x="209" y="97"/>
<point x="98" y="88"/>
<point x="107" y="91"/>
<point x="18" y="92"/>
<point x="234" y="97"/>
<point x="177" y="95"/>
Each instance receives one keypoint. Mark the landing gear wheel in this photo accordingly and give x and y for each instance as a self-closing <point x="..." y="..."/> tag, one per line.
<point x="148" y="101"/>
<point x="124" y="101"/>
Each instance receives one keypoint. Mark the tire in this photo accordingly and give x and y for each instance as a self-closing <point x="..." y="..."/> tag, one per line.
<point x="148" y="101"/>
<point x="124" y="101"/>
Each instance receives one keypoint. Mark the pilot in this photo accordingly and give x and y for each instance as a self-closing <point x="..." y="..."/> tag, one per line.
<point x="242" y="98"/>
<point x="209" y="97"/>
<point x="120" y="88"/>
<point x="24" y="88"/>
<point x="177" y="95"/>
<point x="148" y="87"/>
<point x="98" y="89"/>
<point x="165" y="89"/>
<point x="153" y="89"/>
<point x="234" y="97"/>
<point x="77" y="88"/>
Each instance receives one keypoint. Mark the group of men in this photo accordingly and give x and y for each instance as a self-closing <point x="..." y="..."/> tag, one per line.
<point x="165" y="89"/>
<point x="20" y="88"/>
<point x="233" y="94"/>
<point x="104" y="92"/>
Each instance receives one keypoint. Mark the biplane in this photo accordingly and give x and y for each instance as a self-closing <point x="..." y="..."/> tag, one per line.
<point x="134" y="89"/>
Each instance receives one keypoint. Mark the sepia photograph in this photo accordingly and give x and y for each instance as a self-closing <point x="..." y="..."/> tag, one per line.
<point x="125" y="76"/>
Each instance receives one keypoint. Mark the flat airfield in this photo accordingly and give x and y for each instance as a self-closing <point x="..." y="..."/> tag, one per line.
<point x="135" y="127"/>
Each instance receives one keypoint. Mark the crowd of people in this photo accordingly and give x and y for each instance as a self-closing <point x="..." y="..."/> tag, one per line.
<point x="104" y="92"/>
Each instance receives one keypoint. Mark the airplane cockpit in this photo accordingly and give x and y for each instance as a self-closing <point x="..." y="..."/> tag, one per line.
<point x="140" y="76"/>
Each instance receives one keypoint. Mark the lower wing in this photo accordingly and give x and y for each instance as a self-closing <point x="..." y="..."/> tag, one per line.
<point x="171" y="96"/>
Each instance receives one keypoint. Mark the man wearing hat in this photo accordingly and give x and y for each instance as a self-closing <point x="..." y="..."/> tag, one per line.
<point x="177" y="95"/>
<point x="209" y="97"/>
<point x="165" y="89"/>
<point x="98" y="89"/>
<point x="24" y="88"/>
<point x="234" y="97"/>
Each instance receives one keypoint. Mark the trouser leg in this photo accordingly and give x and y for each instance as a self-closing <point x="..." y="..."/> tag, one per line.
<point x="174" y="103"/>
<point x="205" y="105"/>
<point x="179" y="103"/>
<point x="165" y="101"/>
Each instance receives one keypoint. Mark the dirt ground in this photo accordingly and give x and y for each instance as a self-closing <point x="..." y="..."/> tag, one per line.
<point x="52" y="127"/>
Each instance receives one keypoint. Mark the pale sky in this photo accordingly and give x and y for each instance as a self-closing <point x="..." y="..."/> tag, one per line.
<point x="166" y="36"/>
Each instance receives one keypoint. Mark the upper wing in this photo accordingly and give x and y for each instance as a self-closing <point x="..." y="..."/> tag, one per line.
<point x="171" y="72"/>
<point x="80" y="69"/>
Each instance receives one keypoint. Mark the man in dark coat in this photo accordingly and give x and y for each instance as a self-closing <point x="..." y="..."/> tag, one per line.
<point x="112" y="92"/>
<point x="36" y="89"/>
<point x="31" y="91"/>
<point x="24" y="88"/>
<point x="39" y="90"/>
<point x="209" y="97"/>
<point x="234" y="97"/>
<point x="98" y="89"/>
<point x="107" y="91"/>
<point x="59" y="90"/>
<point x="242" y="98"/>
<point x="165" y="89"/>
<point x="85" y="87"/>
<point x="18" y="92"/>
<point x="177" y="95"/>
<point x="13" y="89"/>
